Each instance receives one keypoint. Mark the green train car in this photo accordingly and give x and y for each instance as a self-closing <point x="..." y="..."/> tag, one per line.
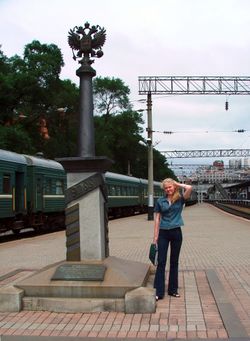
<point x="31" y="192"/>
<point x="128" y="195"/>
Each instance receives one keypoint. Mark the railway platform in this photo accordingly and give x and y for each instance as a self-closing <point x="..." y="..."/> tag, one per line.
<point x="214" y="277"/>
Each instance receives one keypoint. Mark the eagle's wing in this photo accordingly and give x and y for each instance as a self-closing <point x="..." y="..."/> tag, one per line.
<point x="99" y="39"/>
<point x="74" y="40"/>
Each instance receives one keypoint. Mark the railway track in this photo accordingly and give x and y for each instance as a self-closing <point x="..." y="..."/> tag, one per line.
<point x="241" y="211"/>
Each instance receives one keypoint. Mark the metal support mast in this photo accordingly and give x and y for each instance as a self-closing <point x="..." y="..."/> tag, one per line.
<point x="150" y="160"/>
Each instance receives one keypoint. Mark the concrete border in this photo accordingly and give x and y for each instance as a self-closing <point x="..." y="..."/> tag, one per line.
<point x="230" y="318"/>
<point x="10" y="274"/>
<point x="73" y="338"/>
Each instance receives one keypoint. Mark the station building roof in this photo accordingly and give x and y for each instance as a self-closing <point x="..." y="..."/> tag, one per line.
<point x="240" y="185"/>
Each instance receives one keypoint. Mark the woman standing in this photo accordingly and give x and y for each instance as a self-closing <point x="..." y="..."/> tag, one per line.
<point x="167" y="230"/>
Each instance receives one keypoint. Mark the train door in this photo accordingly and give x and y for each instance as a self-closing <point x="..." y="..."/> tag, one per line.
<point x="39" y="193"/>
<point x="19" y="192"/>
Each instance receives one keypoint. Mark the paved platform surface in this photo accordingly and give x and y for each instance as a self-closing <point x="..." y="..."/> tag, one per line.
<point x="214" y="284"/>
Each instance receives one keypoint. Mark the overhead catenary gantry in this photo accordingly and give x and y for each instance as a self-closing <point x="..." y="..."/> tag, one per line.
<point x="184" y="85"/>
<point x="194" y="85"/>
<point x="207" y="153"/>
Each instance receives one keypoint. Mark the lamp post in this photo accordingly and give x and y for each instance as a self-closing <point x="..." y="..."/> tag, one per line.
<point x="150" y="159"/>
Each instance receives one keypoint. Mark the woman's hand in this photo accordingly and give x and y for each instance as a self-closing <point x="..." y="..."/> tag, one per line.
<point x="187" y="190"/>
<point x="156" y="227"/>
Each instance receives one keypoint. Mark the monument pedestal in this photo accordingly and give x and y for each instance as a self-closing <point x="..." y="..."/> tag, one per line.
<point x="123" y="289"/>
<point x="86" y="213"/>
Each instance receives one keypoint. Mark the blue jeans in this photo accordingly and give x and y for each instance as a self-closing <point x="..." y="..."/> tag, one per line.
<point x="174" y="238"/>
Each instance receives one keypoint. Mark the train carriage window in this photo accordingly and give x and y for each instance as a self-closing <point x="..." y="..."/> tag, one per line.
<point x="111" y="190"/>
<point x="39" y="186"/>
<point x="6" y="184"/>
<point x="131" y="191"/>
<point x="48" y="186"/>
<point x="124" y="191"/>
<point x="59" y="187"/>
<point x="118" y="190"/>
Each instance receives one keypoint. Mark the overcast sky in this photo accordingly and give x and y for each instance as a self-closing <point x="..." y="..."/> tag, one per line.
<point x="153" y="38"/>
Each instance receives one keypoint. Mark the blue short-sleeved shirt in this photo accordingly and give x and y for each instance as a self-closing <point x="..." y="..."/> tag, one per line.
<point x="170" y="213"/>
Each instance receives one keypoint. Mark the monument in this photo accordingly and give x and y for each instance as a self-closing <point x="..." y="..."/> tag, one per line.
<point x="90" y="279"/>
<point x="85" y="172"/>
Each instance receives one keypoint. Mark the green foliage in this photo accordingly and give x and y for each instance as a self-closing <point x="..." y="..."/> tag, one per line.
<point x="110" y="95"/>
<point x="31" y="87"/>
<point x="161" y="170"/>
<point x="120" y="139"/>
<point x="15" y="136"/>
<point x="39" y="113"/>
<point x="115" y="137"/>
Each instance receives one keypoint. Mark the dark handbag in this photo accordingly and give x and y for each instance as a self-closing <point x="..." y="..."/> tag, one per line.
<point x="153" y="254"/>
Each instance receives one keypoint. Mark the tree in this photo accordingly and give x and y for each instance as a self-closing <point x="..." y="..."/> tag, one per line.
<point x="118" y="131"/>
<point x="39" y="112"/>
<point x="110" y="95"/>
<point x="30" y="88"/>
<point x="63" y="121"/>
<point x="118" y="137"/>
<point x="15" y="136"/>
<point x="161" y="170"/>
<point x="7" y="86"/>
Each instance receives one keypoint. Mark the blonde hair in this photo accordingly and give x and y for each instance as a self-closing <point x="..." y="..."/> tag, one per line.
<point x="176" y="196"/>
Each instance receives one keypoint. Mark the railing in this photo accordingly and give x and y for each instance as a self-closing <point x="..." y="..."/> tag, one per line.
<point x="237" y="207"/>
<point x="236" y="202"/>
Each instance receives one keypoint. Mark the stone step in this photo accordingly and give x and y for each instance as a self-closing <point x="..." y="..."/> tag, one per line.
<point x="139" y="300"/>
<point x="73" y="305"/>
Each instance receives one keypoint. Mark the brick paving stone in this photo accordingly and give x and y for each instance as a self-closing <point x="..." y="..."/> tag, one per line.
<point x="151" y="334"/>
<point x="171" y="335"/>
<point x="112" y="334"/>
<point x="83" y="333"/>
<point x="135" y="327"/>
<point x="209" y="238"/>
<point x="161" y="335"/>
<point x="102" y="334"/>
<point x="181" y="335"/>
<point x="122" y="334"/>
<point x="132" y="334"/>
<point x="164" y="328"/>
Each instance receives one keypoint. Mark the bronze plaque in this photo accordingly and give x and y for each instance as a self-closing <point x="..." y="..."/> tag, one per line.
<point x="79" y="272"/>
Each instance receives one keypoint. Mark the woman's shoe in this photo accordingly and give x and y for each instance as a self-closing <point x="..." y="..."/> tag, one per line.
<point x="158" y="298"/>
<point x="174" y="294"/>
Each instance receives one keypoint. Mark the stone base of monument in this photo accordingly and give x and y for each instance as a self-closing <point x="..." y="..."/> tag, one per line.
<point x="113" y="284"/>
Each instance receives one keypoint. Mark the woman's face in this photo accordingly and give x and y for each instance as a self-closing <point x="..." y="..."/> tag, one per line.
<point x="169" y="188"/>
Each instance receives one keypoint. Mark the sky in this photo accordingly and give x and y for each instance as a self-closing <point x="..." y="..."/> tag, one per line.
<point x="153" y="38"/>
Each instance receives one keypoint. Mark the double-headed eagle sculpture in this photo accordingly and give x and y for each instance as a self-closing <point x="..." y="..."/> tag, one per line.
<point x="88" y="41"/>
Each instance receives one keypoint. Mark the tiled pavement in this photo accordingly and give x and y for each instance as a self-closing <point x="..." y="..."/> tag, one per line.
<point x="214" y="283"/>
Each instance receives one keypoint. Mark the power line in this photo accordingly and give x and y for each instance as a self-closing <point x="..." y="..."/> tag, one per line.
<point x="169" y="132"/>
